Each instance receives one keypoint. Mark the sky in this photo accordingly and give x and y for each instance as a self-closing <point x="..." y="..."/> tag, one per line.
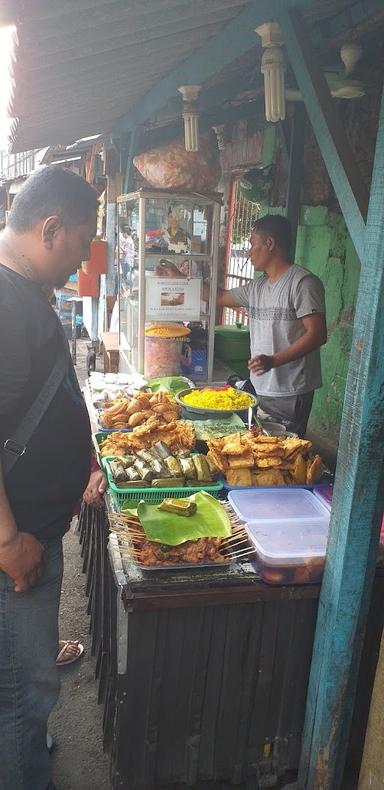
<point x="6" y="46"/>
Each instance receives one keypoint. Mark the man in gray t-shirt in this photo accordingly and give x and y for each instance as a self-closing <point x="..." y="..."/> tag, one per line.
<point x="286" y="309"/>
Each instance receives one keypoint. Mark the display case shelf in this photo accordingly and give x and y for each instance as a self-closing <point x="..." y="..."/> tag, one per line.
<point x="184" y="229"/>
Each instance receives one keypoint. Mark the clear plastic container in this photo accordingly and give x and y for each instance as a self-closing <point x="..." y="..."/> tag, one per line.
<point x="324" y="492"/>
<point x="252" y="504"/>
<point x="290" y="551"/>
<point x="162" y="356"/>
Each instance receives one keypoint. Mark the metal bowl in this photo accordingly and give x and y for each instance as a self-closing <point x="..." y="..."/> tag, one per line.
<point x="197" y="413"/>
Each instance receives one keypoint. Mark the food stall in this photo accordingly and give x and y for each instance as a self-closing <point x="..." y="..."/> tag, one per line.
<point x="203" y="579"/>
<point x="182" y="228"/>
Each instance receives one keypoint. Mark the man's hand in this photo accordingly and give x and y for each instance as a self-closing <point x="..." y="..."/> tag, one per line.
<point x="93" y="494"/>
<point x="260" y="364"/>
<point x="22" y="558"/>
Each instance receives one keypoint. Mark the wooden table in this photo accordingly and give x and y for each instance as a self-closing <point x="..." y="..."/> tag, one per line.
<point x="203" y="675"/>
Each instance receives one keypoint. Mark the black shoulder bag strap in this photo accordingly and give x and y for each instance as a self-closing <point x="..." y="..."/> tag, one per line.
<point x="16" y="446"/>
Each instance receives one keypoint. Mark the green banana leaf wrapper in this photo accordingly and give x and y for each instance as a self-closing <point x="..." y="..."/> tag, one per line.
<point x="209" y="521"/>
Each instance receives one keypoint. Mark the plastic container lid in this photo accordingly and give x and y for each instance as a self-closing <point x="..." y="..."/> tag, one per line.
<point x="289" y="542"/>
<point x="167" y="331"/>
<point x="324" y="492"/>
<point x="254" y="504"/>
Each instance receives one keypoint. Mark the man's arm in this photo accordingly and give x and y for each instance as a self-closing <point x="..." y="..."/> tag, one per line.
<point x="21" y="555"/>
<point x="315" y="335"/>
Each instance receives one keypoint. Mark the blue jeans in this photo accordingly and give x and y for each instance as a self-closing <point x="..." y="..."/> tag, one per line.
<point x="29" y="683"/>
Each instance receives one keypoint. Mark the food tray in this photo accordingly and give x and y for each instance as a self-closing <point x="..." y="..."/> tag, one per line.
<point x="113" y="430"/>
<point x="124" y="541"/>
<point x="227" y="487"/>
<point x="196" y="566"/>
<point x="198" y="413"/>
<point x="290" y="551"/>
<point x="101" y="435"/>
<point x="277" y="505"/>
<point x="153" y="495"/>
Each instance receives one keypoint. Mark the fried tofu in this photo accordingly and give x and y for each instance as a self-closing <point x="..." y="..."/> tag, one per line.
<point x="233" y="445"/>
<point x="261" y="460"/>
<point x="239" y="461"/>
<point x="268" y="462"/>
<point x="270" y="477"/>
<point x="239" y="477"/>
<point x="299" y="472"/>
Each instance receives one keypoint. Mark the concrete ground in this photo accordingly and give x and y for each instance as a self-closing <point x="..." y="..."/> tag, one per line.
<point x="76" y="723"/>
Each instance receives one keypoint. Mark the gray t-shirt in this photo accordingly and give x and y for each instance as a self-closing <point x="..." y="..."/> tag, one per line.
<point x="275" y="309"/>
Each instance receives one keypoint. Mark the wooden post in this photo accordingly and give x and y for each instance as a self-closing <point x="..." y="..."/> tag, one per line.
<point x="108" y="281"/>
<point x="296" y="161"/>
<point x="356" y="514"/>
<point x="131" y="153"/>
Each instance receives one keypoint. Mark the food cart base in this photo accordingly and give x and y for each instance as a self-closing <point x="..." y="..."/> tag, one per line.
<point x="203" y="677"/>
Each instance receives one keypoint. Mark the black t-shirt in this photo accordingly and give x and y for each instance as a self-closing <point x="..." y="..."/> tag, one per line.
<point x="45" y="484"/>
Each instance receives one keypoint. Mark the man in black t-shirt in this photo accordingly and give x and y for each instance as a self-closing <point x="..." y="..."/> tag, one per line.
<point x="48" y="234"/>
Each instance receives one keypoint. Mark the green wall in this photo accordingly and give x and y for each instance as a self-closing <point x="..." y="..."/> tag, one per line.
<point x="325" y="248"/>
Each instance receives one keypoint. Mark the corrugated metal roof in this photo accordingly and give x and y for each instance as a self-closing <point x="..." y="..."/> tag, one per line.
<point x="80" y="65"/>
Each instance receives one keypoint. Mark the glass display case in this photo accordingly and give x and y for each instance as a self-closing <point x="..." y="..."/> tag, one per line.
<point x="167" y="271"/>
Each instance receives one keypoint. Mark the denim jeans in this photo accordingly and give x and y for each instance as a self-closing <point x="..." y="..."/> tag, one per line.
<point x="29" y="683"/>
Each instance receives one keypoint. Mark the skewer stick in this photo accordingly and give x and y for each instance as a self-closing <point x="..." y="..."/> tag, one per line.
<point x="237" y="555"/>
<point x="233" y="545"/>
<point x="239" y="536"/>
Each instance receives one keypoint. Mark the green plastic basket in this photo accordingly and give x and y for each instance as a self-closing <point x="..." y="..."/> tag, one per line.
<point x="153" y="495"/>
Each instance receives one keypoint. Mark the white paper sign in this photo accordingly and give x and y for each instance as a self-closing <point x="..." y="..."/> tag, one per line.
<point x="172" y="299"/>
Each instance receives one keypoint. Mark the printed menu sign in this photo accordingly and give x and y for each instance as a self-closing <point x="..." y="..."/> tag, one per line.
<point x="175" y="299"/>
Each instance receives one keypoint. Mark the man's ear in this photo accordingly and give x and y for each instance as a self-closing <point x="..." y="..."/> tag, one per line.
<point x="49" y="230"/>
<point x="270" y="243"/>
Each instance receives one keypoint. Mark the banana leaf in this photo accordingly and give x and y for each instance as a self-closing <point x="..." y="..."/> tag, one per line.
<point x="209" y="521"/>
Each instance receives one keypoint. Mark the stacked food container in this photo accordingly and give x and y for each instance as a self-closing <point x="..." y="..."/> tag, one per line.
<point x="289" y="530"/>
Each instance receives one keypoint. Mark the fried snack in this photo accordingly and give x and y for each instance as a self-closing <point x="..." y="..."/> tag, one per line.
<point x="271" y="477"/>
<point x="139" y="418"/>
<point x="233" y="445"/>
<point x="275" y="460"/>
<point x="241" y="461"/>
<point x="314" y="470"/>
<point x="268" y="462"/>
<point x="239" y="477"/>
<point x="129" y="413"/>
<point x="274" y="452"/>
<point x="178" y="435"/>
<point x="218" y="461"/>
<point x="299" y="472"/>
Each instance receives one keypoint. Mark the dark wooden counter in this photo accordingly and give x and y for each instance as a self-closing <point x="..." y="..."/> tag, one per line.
<point x="203" y="676"/>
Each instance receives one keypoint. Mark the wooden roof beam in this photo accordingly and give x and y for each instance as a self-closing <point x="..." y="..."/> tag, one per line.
<point x="236" y="38"/>
<point x="336" y="151"/>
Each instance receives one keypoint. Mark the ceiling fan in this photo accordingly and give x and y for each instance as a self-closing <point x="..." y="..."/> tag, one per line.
<point x="340" y="83"/>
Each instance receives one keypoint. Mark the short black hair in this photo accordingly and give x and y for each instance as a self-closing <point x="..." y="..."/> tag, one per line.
<point x="279" y="228"/>
<point x="52" y="191"/>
